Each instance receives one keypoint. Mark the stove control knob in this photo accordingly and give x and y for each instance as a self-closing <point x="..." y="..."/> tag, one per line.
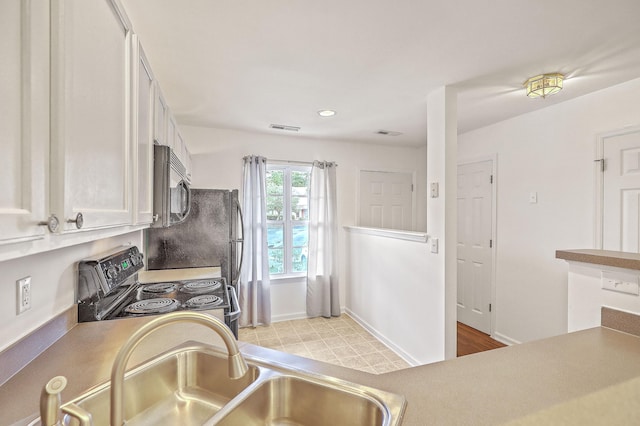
<point x="135" y="259"/>
<point x="112" y="272"/>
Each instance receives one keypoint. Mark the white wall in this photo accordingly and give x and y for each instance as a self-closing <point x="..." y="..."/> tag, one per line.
<point x="53" y="279"/>
<point x="217" y="163"/>
<point x="586" y="295"/>
<point x="550" y="151"/>
<point x="396" y="297"/>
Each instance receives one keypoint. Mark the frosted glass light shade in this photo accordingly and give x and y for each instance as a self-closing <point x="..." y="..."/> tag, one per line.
<point x="544" y="85"/>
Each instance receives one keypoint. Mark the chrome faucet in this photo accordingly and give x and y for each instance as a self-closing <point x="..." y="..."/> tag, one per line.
<point x="237" y="364"/>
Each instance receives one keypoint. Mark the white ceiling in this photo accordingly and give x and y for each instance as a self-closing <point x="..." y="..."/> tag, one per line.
<point x="244" y="64"/>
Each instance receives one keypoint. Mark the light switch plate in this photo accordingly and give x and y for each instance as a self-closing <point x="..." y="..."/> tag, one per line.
<point x="435" y="190"/>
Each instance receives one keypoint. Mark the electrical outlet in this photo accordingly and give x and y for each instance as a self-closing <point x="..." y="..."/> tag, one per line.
<point x="23" y="292"/>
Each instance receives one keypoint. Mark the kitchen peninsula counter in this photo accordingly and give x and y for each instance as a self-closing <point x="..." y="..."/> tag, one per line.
<point x="618" y="259"/>
<point x="582" y="375"/>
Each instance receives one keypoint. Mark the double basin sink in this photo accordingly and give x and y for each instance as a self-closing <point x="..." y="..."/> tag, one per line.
<point x="198" y="384"/>
<point x="190" y="386"/>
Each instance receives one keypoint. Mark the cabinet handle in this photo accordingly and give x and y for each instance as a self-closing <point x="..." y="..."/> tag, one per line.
<point x="52" y="223"/>
<point x="79" y="220"/>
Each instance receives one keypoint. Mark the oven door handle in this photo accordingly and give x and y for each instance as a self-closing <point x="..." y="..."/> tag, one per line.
<point x="233" y="315"/>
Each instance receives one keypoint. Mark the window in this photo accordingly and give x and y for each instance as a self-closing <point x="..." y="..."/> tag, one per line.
<point x="287" y="219"/>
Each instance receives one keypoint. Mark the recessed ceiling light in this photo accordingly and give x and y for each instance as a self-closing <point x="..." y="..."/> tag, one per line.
<point x="326" y="113"/>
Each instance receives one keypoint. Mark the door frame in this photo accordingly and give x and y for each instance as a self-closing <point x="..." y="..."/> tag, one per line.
<point x="414" y="192"/>
<point x="494" y="234"/>
<point x="598" y="196"/>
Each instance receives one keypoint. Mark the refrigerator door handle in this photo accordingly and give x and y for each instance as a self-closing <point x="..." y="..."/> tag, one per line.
<point x="233" y="315"/>
<point x="240" y="240"/>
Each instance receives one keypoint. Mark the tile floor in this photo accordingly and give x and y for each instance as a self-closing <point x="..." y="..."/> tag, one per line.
<point x="340" y="341"/>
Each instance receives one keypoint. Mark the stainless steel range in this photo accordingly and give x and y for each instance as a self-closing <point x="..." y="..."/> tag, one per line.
<point x="108" y="288"/>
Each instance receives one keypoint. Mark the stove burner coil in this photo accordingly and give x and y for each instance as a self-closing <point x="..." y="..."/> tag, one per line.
<point x="151" y="291"/>
<point x="201" y="286"/>
<point x="206" y="301"/>
<point x="152" y="306"/>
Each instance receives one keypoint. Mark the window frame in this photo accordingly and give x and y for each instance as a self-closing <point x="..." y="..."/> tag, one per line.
<point x="287" y="223"/>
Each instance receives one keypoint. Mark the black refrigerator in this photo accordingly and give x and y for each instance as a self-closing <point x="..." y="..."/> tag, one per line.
<point x="211" y="235"/>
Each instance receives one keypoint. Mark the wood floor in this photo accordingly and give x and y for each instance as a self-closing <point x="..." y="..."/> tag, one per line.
<point x="471" y="341"/>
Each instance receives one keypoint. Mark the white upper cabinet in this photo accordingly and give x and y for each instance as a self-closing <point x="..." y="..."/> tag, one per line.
<point x="142" y="131"/>
<point x="90" y="134"/>
<point x="24" y="118"/>
<point x="172" y="129"/>
<point x="160" y="116"/>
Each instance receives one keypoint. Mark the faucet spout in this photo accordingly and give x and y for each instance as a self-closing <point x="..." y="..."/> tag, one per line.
<point x="237" y="364"/>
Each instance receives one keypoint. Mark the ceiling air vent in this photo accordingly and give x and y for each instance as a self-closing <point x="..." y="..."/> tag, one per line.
<point x="388" y="133"/>
<point x="283" y="127"/>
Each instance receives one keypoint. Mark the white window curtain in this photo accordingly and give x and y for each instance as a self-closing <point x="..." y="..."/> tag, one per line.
<point x="255" y="293"/>
<point x="323" y="295"/>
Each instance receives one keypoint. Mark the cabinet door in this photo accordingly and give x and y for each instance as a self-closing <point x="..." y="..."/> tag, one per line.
<point x="171" y="132"/>
<point x="180" y="148"/>
<point x="91" y="165"/>
<point x="187" y="164"/>
<point x="24" y="118"/>
<point x="160" y="116"/>
<point x="143" y="134"/>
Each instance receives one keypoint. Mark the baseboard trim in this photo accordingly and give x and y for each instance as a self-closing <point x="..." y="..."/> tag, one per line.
<point x="504" y="339"/>
<point x="17" y="356"/>
<point x="288" y="317"/>
<point x="294" y="316"/>
<point x="388" y="343"/>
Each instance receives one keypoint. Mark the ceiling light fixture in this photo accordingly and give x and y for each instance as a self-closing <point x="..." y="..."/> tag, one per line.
<point x="544" y="85"/>
<point x="326" y="113"/>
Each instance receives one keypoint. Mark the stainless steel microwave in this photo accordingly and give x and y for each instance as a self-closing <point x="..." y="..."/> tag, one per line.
<point x="171" y="192"/>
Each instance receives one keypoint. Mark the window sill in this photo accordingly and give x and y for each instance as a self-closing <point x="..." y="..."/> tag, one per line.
<point x="419" y="237"/>
<point x="288" y="279"/>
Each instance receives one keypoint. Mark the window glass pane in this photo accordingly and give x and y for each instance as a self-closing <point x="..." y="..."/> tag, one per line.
<point x="300" y="235"/>
<point x="275" y="182"/>
<point x="276" y="261"/>
<point x="299" y="195"/>
<point x="275" y="239"/>
<point x="275" y="194"/>
<point x="275" y="206"/>
<point x="275" y="236"/>
<point x="299" y="260"/>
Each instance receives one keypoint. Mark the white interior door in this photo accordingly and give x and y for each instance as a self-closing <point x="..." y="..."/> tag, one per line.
<point x="621" y="208"/>
<point x="474" y="248"/>
<point x="386" y="200"/>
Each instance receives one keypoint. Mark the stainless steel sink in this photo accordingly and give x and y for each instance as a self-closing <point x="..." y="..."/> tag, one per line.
<point x="186" y="387"/>
<point x="291" y="400"/>
<point x="196" y="384"/>
<point x="190" y="386"/>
